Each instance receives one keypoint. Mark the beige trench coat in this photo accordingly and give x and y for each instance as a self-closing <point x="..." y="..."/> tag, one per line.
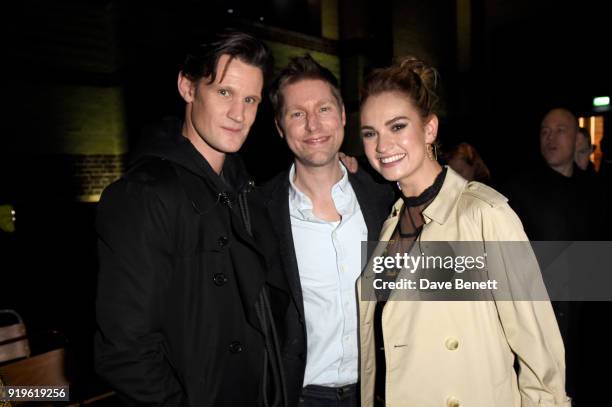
<point x="461" y="353"/>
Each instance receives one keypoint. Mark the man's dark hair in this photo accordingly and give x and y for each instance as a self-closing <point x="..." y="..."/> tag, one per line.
<point x="201" y="61"/>
<point x="300" y="68"/>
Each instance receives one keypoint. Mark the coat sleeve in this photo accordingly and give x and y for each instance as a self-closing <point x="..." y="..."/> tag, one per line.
<point x="525" y="312"/>
<point x="133" y="243"/>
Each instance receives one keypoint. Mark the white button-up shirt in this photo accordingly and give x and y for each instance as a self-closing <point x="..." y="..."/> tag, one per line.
<point x="329" y="261"/>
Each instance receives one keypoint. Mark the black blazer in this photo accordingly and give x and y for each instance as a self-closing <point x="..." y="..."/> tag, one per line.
<point x="375" y="201"/>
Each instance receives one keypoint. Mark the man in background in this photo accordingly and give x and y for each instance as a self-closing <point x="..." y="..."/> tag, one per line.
<point x="584" y="149"/>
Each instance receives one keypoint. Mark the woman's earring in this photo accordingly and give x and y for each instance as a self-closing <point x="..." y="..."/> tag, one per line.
<point x="432" y="152"/>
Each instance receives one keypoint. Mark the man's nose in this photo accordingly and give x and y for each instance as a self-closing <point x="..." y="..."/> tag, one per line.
<point x="312" y="122"/>
<point x="236" y="111"/>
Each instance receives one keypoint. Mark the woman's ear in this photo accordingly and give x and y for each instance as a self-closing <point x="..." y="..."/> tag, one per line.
<point x="431" y="129"/>
<point x="186" y="88"/>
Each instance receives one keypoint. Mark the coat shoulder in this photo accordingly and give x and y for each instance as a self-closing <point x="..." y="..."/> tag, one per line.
<point x="368" y="188"/>
<point x="484" y="194"/>
<point x="271" y="188"/>
<point x="151" y="171"/>
<point x="151" y="184"/>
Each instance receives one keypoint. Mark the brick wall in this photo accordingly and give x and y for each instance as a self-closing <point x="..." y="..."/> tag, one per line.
<point x="93" y="173"/>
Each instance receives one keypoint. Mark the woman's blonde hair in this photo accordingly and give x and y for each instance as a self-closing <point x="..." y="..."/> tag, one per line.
<point x="410" y="76"/>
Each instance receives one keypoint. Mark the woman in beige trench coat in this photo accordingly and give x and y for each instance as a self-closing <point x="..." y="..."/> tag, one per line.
<point x="446" y="353"/>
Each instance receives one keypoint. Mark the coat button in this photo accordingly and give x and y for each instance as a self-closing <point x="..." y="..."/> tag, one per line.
<point x="452" y="402"/>
<point x="219" y="279"/>
<point x="236" y="347"/>
<point x="451" y="343"/>
<point x="302" y="357"/>
<point x="222" y="241"/>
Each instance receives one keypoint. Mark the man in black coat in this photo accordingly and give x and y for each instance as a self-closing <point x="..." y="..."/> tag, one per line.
<point x="321" y="214"/>
<point x="558" y="201"/>
<point x="185" y="279"/>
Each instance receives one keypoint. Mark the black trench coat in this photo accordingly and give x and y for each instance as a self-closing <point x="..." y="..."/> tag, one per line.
<point x="179" y="277"/>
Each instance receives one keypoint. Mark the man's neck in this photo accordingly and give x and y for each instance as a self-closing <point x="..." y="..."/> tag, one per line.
<point x="215" y="158"/>
<point x="317" y="182"/>
<point x="567" y="170"/>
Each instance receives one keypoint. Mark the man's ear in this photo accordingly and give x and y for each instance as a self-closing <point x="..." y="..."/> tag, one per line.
<point x="343" y="116"/>
<point x="186" y="88"/>
<point x="431" y="129"/>
<point x="279" y="129"/>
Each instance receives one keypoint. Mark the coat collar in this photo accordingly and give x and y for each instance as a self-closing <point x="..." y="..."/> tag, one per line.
<point x="447" y="198"/>
<point x="439" y="209"/>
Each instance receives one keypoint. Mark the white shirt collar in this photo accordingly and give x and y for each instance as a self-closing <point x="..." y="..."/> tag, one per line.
<point x="343" y="196"/>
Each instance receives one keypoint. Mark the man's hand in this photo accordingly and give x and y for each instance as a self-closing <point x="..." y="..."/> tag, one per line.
<point x="349" y="162"/>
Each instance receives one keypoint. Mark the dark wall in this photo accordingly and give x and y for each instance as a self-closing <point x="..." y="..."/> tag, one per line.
<point x="527" y="58"/>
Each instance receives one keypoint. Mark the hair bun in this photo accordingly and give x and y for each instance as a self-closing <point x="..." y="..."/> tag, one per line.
<point x="410" y="76"/>
<point x="427" y="74"/>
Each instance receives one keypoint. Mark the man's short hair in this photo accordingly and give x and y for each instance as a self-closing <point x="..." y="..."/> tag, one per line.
<point x="301" y="68"/>
<point x="567" y="112"/>
<point x="201" y="61"/>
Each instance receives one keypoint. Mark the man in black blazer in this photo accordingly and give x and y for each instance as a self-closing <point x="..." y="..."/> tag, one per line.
<point x="321" y="214"/>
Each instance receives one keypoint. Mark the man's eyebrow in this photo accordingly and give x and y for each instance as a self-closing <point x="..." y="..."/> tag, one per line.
<point x="395" y="119"/>
<point x="319" y="103"/>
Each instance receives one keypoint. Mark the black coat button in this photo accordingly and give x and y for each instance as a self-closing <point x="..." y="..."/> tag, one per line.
<point x="219" y="279"/>
<point x="222" y="241"/>
<point x="301" y="356"/>
<point x="236" y="347"/>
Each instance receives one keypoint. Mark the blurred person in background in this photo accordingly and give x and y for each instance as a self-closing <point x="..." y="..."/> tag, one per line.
<point x="584" y="149"/>
<point x="466" y="161"/>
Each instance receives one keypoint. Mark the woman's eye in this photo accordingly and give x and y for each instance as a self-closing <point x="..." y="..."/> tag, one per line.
<point x="249" y="100"/>
<point x="224" y="92"/>
<point x="398" y="127"/>
<point x="367" y="134"/>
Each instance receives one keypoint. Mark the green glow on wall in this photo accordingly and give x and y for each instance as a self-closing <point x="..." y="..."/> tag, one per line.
<point x="601" y="101"/>
<point x="90" y="120"/>
<point x="283" y="53"/>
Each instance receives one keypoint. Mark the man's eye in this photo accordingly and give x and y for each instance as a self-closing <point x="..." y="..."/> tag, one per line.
<point x="224" y="92"/>
<point x="295" y="114"/>
<point x="325" y="108"/>
<point x="250" y="100"/>
<point x="398" y="127"/>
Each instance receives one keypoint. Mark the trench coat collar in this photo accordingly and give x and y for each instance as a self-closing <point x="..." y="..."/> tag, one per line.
<point x="438" y="210"/>
<point x="442" y="205"/>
